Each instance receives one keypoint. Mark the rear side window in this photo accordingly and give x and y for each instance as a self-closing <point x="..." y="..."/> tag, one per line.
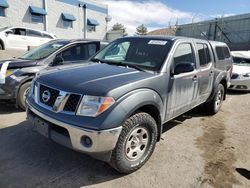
<point x="222" y="52"/>
<point x="92" y="48"/>
<point x="204" y="54"/>
<point x="219" y="51"/>
<point x="226" y="52"/>
<point x="34" y="33"/>
<point x="183" y="54"/>
<point x="47" y="36"/>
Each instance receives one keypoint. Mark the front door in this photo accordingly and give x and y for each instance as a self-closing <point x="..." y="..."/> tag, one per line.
<point x="183" y="88"/>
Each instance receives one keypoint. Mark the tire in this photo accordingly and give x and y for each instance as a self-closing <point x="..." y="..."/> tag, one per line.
<point x="1" y="46"/>
<point x="131" y="151"/>
<point x="213" y="106"/>
<point x="21" y="97"/>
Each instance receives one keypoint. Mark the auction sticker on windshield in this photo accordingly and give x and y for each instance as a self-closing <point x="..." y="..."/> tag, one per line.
<point x="158" y="42"/>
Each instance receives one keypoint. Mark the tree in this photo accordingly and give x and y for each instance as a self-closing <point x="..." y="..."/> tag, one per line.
<point x="120" y="27"/>
<point x="141" y="30"/>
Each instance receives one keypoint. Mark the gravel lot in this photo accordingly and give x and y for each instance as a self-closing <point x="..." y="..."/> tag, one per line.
<point x="195" y="151"/>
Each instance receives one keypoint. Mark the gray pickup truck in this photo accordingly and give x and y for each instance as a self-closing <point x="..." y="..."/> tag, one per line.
<point x="114" y="107"/>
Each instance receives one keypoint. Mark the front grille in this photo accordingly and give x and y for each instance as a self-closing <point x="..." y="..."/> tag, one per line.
<point x="72" y="103"/>
<point x="234" y="76"/>
<point x="53" y="95"/>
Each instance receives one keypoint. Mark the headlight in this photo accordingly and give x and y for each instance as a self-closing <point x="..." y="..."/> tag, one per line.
<point x="247" y="75"/>
<point x="10" y="72"/>
<point x="92" y="106"/>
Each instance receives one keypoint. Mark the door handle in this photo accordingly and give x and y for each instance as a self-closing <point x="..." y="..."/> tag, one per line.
<point x="195" y="78"/>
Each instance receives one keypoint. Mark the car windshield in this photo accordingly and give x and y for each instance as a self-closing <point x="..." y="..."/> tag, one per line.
<point x="241" y="61"/>
<point x="139" y="53"/>
<point x="44" y="50"/>
<point x="4" y="28"/>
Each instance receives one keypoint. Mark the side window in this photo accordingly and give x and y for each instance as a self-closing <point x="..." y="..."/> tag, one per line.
<point x="75" y="53"/>
<point x="226" y="52"/>
<point x="220" y="54"/>
<point x="34" y="33"/>
<point x="184" y="54"/>
<point x="47" y="36"/>
<point x="204" y="55"/>
<point x="18" y="31"/>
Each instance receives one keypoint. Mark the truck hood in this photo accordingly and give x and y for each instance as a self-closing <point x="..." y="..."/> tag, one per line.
<point x="93" y="79"/>
<point x="18" y="63"/>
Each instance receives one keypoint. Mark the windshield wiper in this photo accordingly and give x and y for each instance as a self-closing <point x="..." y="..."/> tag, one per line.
<point x="118" y="64"/>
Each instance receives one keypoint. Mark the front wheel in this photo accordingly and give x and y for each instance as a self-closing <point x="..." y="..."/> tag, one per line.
<point x="135" y="144"/>
<point x="213" y="106"/>
<point x="22" y="94"/>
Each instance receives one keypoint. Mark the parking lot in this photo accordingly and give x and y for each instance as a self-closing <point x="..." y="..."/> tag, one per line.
<point x="195" y="151"/>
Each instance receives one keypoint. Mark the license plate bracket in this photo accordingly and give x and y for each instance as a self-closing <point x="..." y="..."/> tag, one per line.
<point x="42" y="127"/>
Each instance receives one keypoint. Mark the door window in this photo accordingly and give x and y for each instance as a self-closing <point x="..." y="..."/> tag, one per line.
<point x="204" y="55"/>
<point x="78" y="52"/>
<point x="184" y="54"/>
<point x="18" y="31"/>
<point x="34" y="33"/>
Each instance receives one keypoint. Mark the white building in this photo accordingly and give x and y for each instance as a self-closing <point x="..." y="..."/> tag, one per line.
<point x="65" y="18"/>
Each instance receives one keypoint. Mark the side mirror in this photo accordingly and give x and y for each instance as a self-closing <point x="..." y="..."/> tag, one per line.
<point x="8" y="32"/>
<point x="184" y="67"/>
<point x="57" y="61"/>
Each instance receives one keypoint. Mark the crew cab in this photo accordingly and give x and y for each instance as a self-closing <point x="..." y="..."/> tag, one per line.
<point x="114" y="108"/>
<point x="21" y="38"/>
<point x="16" y="74"/>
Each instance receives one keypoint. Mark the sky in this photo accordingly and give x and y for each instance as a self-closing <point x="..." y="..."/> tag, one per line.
<point x="156" y="14"/>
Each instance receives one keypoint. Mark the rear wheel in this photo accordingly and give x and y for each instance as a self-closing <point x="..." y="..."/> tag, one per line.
<point x="22" y="94"/>
<point x="1" y="46"/>
<point x="213" y="106"/>
<point x="135" y="144"/>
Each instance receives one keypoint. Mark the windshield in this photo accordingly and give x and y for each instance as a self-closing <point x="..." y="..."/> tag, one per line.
<point x="143" y="53"/>
<point x="241" y="61"/>
<point x="4" y="28"/>
<point x="44" y="50"/>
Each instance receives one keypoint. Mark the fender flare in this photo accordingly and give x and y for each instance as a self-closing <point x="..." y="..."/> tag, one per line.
<point x="222" y="76"/>
<point x="128" y="104"/>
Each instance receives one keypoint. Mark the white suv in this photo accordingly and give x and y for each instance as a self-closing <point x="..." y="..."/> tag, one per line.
<point x="21" y="38"/>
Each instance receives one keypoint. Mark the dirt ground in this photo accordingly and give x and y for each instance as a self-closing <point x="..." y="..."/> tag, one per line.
<point x="195" y="151"/>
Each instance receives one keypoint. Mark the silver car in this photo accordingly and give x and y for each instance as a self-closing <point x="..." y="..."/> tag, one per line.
<point x="240" y="79"/>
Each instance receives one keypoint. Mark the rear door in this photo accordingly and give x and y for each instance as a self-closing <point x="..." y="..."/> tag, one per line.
<point x="17" y="39"/>
<point x="183" y="88"/>
<point x="206" y="72"/>
<point x="34" y="38"/>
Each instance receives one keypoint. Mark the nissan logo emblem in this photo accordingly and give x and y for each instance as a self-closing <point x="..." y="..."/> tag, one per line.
<point x="46" y="96"/>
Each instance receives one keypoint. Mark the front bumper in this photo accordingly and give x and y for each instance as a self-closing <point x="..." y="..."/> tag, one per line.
<point x="5" y="94"/>
<point x="240" y="84"/>
<point x="72" y="136"/>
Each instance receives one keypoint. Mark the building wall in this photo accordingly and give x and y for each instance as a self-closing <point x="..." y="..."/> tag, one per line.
<point x="233" y="30"/>
<point x="18" y="14"/>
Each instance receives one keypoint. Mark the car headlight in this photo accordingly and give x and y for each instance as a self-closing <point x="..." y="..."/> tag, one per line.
<point x="9" y="72"/>
<point x="92" y="106"/>
<point x="247" y="75"/>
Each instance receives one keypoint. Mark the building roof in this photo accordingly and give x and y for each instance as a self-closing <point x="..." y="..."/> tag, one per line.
<point x="164" y="31"/>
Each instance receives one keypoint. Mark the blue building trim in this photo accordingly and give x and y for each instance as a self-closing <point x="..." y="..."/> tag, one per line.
<point x="88" y="5"/>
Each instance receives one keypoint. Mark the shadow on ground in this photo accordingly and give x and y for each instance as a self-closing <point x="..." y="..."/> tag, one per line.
<point x="8" y="108"/>
<point x="30" y="160"/>
<point x="243" y="172"/>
